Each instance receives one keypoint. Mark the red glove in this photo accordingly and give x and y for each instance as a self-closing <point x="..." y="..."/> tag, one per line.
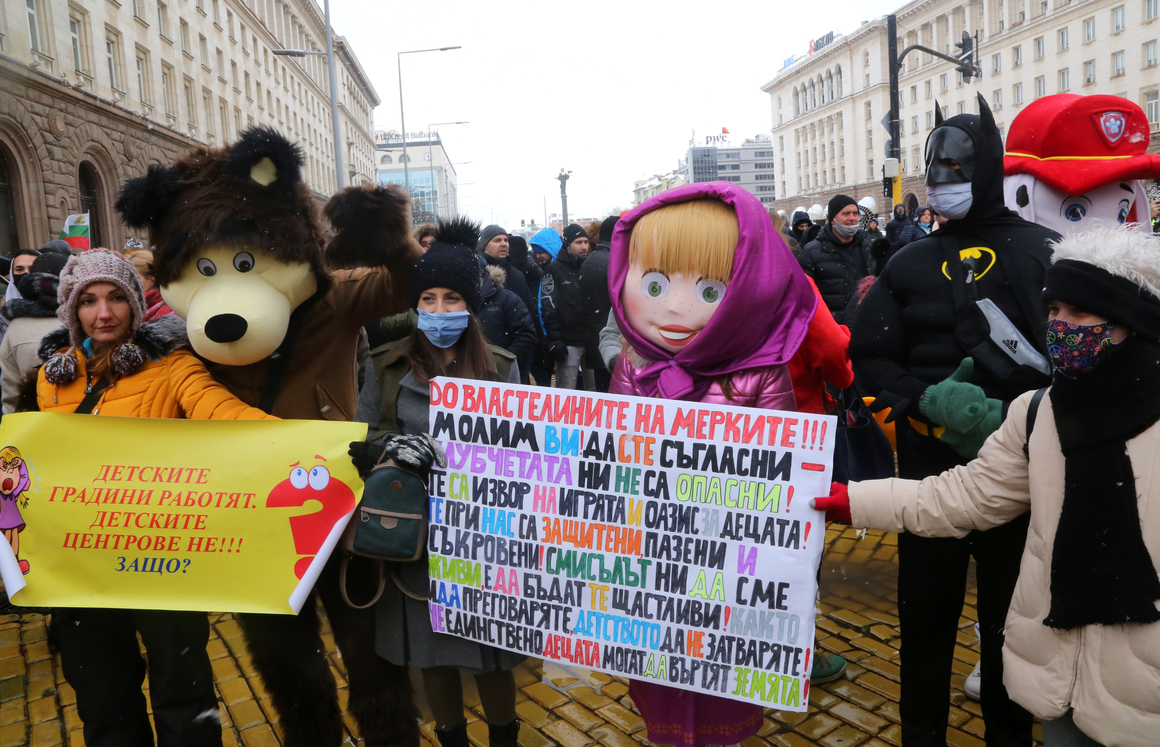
<point x="836" y="504"/>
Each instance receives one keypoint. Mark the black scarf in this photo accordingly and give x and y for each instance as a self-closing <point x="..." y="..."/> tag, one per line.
<point x="1101" y="572"/>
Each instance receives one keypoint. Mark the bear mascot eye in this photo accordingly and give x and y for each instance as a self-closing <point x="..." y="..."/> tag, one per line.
<point x="244" y="262"/>
<point x="206" y="267"/>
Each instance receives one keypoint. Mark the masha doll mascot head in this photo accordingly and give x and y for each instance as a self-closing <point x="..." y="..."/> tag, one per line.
<point x="1072" y="160"/>
<point x="704" y="288"/>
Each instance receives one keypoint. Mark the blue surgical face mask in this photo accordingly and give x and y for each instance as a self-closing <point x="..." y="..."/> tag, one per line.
<point x="443" y="330"/>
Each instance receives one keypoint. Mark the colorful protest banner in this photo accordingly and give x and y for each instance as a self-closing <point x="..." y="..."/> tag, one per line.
<point x="144" y="513"/>
<point x="658" y="540"/>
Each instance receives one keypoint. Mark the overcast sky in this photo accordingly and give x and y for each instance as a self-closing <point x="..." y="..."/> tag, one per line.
<point x="612" y="90"/>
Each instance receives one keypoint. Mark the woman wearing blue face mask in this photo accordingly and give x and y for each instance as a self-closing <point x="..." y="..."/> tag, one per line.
<point x="447" y="341"/>
<point x="1082" y="645"/>
<point x="921" y="226"/>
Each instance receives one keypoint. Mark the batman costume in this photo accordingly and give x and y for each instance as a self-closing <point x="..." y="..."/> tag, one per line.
<point x="911" y="332"/>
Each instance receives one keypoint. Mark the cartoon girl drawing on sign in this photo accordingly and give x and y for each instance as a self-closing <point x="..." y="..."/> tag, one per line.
<point x="712" y="306"/>
<point x="14" y="481"/>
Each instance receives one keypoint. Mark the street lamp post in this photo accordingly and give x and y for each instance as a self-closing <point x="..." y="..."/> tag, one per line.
<point x="329" y="54"/>
<point x="431" y="160"/>
<point x="402" y="120"/>
<point x="563" y="177"/>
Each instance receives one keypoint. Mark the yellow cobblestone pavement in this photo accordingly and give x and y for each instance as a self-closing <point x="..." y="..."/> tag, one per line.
<point x="857" y="618"/>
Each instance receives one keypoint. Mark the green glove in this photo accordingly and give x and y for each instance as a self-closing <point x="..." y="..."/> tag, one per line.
<point x="967" y="443"/>
<point x="968" y="414"/>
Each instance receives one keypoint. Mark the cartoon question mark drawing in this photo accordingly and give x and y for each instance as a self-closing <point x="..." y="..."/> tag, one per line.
<point x="311" y="530"/>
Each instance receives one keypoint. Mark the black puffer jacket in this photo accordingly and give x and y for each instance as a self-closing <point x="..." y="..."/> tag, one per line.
<point x="836" y="268"/>
<point x="904" y="339"/>
<point x="562" y="303"/>
<point x="809" y="234"/>
<point x="895" y="227"/>
<point x="516" y="282"/>
<point x="597" y="303"/>
<point x="504" y="317"/>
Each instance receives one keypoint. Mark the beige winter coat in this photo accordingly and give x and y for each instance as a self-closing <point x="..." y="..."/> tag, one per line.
<point x="1109" y="675"/>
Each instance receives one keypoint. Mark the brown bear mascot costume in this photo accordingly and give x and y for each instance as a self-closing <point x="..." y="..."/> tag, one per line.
<point x="239" y="255"/>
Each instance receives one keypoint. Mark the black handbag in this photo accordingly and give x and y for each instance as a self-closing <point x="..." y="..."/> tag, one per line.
<point x="389" y="525"/>
<point x="862" y="451"/>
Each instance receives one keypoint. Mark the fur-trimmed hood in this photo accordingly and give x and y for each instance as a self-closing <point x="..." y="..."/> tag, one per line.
<point x="156" y="339"/>
<point x="1128" y="252"/>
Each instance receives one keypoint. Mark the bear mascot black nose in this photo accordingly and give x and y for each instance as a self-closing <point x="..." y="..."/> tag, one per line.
<point x="225" y="328"/>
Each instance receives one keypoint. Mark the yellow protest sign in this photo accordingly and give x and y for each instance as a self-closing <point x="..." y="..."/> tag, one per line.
<point x="171" y="514"/>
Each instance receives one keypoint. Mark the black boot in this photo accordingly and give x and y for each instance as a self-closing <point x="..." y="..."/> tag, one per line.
<point x="456" y="736"/>
<point x="504" y="736"/>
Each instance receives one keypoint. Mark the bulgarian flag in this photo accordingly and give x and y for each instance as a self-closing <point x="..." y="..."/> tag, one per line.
<point x="76" y="231"/>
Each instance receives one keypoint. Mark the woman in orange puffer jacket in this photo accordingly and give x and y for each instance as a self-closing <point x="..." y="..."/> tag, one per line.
<point x="105" y="361"/>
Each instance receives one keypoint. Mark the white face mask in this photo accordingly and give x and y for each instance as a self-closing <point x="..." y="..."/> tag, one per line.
<point x="950" y="200"/>
<point x="845" y="231"/>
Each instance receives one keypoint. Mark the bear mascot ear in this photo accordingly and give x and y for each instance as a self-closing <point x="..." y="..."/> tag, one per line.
<point x="264" y="156"/>
<point x="145" y="200"/>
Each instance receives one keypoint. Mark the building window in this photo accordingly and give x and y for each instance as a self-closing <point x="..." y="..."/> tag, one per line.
<point x="942" y="83"/>
<point x="996" y="64"/>
<point x="1117" y="64"/>
<point x="207" y="109"/>
<point x="35" y="40"/>
<point x="163" y="19"/>
<point x="1017" y="94"/>
<point x="914" y="94"/>
<point x="1152" y="109"/>
<point x="113" y="59"/>
<point x="78" y="41"/>
<point x="1151" y="7"/>
<point x="1150" y="54"/>
<point x="962" y="107"/>
<point x="167" y="92"/>
<point x="230" y="31"/>
<point x="1117" y="19"/>
<point x="1040" y="86"/>
<point x="917" y="160"/>
<point x="1089" y="30"/>
<point x="903" y="164"/>
<point x="217" y="19"/>
<point x="928" y="90"/>
<point x="221" y="64"/>
<point x="1064" y="80"/>
<point x="929" y="119"/>
<point x="242" y="33"/>
<point x="1089" y="72"/>
<point x="1064" y="38"/>
<point x="203" y="48"/>
<point x="1039" y="48"/>
<point x="246" y="76"/>
<point x="224" y="112"/>
<point x="142" y="65"/>
<point x="185" y="38"/>
<point x="869" y="111"/>
<point x="190" y="106"/>
<point x="914" y="123"/>
<point x="997" y="100"/>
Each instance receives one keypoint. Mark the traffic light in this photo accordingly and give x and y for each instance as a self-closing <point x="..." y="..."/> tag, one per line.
<point x="522" y="223"/>
<point x="966" y="55"/>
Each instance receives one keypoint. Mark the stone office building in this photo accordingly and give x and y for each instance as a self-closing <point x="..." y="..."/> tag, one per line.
<point x="92" y="93"/>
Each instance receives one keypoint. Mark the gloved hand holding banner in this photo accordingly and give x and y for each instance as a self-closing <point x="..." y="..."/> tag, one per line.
<point x="144" y="513"/>
<point x="659" y="540"/>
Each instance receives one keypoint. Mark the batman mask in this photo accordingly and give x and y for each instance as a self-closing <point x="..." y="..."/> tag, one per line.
<point x="971" y="187"/>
